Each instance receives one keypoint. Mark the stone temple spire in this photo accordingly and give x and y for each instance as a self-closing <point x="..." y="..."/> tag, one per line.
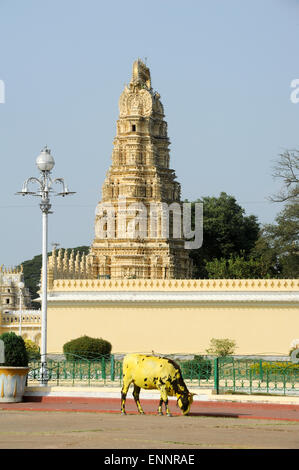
<point x="139" y="175"/>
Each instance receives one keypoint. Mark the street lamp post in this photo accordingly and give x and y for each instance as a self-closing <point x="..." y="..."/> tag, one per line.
<point x="21" y="286"/>
<point x="45" y="163"/>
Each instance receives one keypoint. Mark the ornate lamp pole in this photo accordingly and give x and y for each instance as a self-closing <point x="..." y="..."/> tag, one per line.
<point x="21" y="286"/>
<point x="45" y="163"/>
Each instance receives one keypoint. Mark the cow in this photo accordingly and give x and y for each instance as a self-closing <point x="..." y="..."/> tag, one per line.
<point x="154" y="372"/>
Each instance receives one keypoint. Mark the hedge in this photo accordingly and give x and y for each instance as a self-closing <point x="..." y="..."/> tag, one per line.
<point x="87" y="348"/>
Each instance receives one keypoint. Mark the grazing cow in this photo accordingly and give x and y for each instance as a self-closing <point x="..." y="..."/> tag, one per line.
<point x="153" y="372"/>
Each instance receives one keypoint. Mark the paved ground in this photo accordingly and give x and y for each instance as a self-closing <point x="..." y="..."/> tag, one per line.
<point x="77" y="430"/>
<point x="97" y="424"/>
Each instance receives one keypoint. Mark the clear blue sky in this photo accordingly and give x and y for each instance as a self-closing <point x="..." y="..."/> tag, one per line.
<point x="223" y="69"/>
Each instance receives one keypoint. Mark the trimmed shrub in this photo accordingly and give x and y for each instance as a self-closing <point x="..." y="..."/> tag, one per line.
<point x="15" y="350"/>
<point x="86" y="348"/>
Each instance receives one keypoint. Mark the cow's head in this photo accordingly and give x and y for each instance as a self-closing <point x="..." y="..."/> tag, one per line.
<point x="184" y="401"/>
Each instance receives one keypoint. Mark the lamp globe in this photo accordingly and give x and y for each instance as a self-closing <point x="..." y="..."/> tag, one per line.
<point x="45" y="161"/>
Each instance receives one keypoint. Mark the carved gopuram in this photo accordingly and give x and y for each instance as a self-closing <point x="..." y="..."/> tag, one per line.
<point x="133" y="243"/>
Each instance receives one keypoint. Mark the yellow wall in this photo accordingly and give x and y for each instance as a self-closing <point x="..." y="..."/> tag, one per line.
<point x="176" y="327"/>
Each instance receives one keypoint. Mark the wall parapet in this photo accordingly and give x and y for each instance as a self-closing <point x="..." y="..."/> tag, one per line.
<point x="175" y="285"/>
<point x="29" y="317"/>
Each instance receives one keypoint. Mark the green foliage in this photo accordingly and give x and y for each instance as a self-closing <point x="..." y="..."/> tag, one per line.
<point x="32" y="272"/>
<point x="197" y="368"/>
<point x="15" y="350"/>
<point x="282" y="239"/>
<point x="274" y="368"/>
<point x="266" y="257"/>
<point x="234" y="245"/>
<point x="236" y="267"/>
<point x="222" y="347"/>
<point x="87" y="348"/>
<point x="32" y="350"/>
<point x="226" y="232"/>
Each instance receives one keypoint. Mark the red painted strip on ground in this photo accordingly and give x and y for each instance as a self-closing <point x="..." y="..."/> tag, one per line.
<point x="199" y="408"/>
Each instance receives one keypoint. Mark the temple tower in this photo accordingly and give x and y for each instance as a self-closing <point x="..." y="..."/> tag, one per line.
<point x="130" y="238"/>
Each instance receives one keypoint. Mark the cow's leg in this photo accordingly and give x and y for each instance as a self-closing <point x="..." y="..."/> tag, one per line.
<point x="124" y="392"/>
<point x="164" y="398"/>
<point x="160" y="412"/>
<point x="136" y="393"/>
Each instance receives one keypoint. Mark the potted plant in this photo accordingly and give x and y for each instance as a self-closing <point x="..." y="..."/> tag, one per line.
<point x="14" y="370"/>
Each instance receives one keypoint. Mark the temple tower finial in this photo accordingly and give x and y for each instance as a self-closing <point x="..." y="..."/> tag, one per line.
<point x="141" y="74"/>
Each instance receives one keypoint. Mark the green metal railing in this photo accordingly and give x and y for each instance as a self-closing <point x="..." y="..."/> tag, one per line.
<point x="224" y="375"/>
<point x="98" y="371"/>
<point x="107" y="370"/>
<point x="198" y="372"/>
<point x="256" y="376"/>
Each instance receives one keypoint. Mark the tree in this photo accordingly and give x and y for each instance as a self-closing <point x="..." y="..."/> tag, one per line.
<point x="287" y="169"/>
<point x="222" y="347"/>
<point x="282" y="239"/>
<point x="279" y="241"/>
<point x="267" y="256"/>
<point x="236" y="267"/>
<point x="226" y="232"/>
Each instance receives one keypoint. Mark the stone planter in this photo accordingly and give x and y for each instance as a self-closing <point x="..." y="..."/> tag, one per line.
<point x="12" y="383"/>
